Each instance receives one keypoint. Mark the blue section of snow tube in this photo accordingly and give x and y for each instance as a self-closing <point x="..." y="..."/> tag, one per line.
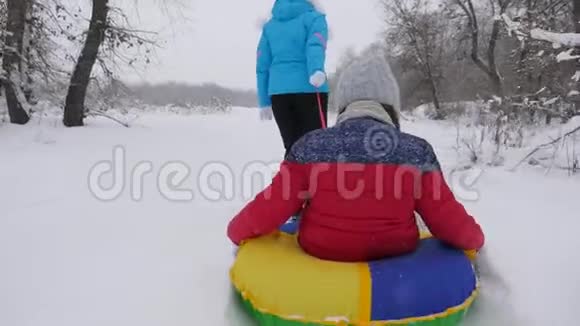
<point x="428" y="281"/>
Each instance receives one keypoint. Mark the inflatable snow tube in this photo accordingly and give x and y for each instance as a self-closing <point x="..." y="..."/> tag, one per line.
<point x="280" y="285"/>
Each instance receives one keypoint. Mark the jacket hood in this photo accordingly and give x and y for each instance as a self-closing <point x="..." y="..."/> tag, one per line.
<point x="290" y="9"/>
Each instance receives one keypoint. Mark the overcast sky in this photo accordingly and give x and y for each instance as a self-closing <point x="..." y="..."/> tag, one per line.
<point x="215" y="40"/>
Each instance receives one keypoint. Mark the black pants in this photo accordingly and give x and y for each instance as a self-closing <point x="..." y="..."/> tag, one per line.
<point x="298" y="114"/>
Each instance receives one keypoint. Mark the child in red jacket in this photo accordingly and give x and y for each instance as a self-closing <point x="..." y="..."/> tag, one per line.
<point x="363" y="180"/>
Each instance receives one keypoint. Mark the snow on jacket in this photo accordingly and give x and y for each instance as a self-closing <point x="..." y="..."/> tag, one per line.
<point x="361" y="202"/>
<point x="292" y="47"/>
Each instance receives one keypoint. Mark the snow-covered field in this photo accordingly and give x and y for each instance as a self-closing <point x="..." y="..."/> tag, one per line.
<point x="157" y="254"/>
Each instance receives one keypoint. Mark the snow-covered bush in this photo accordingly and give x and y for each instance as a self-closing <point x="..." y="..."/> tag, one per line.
<point x="490" y="133"/>
<point x="187" y="109"/>
<point x="485" y="131"/>
<point x="425" y="111"/>
<point x="219" y="105"/>
<point x="475" y="143"/>
<point x="556" y="148"/>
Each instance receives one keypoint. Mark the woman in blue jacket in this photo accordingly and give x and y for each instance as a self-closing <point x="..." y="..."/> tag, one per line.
<point x="290" y="69"/>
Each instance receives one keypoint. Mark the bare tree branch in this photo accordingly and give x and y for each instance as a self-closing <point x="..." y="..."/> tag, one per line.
<point x="546" y="145"/>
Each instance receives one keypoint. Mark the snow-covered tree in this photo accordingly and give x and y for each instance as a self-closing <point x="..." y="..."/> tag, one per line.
<point x="75" y="100"/>
<point x="548" y="58"/>
<point x="419" y="36"/>
<point x="475" y="15"/>
<point x="15" y="52"/>
<point x="110" y="42"/>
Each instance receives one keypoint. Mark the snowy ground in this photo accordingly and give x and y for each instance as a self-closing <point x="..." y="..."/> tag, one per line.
<point x="69" y="259"/>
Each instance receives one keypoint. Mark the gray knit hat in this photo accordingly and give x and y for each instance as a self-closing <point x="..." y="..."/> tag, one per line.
<point x="368" y="78"/>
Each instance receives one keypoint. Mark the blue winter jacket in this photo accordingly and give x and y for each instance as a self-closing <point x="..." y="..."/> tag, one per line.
<point x="292" y="47"/>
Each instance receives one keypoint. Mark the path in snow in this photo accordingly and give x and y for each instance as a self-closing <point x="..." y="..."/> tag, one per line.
<point x="68" y="259"/>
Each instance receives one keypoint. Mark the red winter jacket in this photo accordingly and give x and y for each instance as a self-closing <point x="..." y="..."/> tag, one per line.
<point x="361" y="197"/>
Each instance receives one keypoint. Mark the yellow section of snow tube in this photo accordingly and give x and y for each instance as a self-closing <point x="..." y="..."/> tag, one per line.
<point x="325" y="287"/>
